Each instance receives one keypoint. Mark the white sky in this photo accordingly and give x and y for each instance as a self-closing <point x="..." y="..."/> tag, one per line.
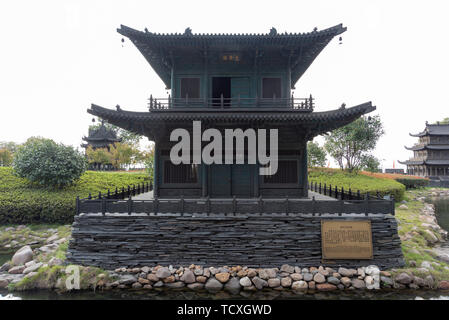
<point x="58" y="57"/>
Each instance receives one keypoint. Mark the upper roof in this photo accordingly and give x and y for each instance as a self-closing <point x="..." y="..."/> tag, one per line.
<point x="433" y="130"/>
<point x="313" y="123"/>
<point x="101" y="137"/>
<point x="428" y="146"/>
<point x="157" y="48"/>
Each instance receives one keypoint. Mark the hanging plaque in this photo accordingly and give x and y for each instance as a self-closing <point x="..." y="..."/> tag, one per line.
<point x="346" y="239"/>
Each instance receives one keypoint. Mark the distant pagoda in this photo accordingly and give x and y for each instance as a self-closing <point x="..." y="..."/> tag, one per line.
<point x="431" y="153"/>
<point x="101" y="137"/>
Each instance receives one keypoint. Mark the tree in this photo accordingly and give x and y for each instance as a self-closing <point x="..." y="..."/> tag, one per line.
<point x="148" y="160"/>
<point x="99" y="155"/>
<point x="124" y="154"/>
<point x="370" y="163"/>
<point x="48" y="163"/>
<point x="349" y="145"/>
<point x="5" y="157"/>
<point x="316" y="155"/>
<point x="126" y="136"/>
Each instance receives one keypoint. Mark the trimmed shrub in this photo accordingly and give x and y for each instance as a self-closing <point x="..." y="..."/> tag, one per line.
<point x="48" y="163"/>
<point x="413" y="183"/>
<point x="24" y="202"/>
<point x="355" y="182"/>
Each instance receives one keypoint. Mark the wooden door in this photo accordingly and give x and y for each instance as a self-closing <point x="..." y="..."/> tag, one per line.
<point x="220" y="180"/>
<point x="240" y="87"/>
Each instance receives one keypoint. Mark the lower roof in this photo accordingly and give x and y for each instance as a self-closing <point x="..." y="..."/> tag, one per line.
<point x="427" y="162"/>
<point x="429" y="147"/>
<point x="150" y="123"/>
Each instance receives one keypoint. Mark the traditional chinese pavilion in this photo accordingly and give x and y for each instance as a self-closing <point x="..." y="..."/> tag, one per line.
<point x="100" y="137"/>
<point x="229" y="214"/>
<point x="231" y="81"/>
<point x="431" y="153"/>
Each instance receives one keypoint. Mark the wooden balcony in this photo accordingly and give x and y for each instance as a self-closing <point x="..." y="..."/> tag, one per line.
<point x="178" y="104"/>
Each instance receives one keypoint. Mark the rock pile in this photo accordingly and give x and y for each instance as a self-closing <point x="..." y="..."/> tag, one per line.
<point x="235" y="279"/>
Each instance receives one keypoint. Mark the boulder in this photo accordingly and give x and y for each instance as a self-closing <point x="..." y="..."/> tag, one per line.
<point x="201" y="279"/>
<point x="233" y="285"/>
<point x="386" y="281"/>
<point x="333" y="280"/>
<point x="22" y="256"/>
<point x="195" y="286"/>
<point x="162" y="273"/>
<point x="296" y="276"/>
<point x="326" y="287"/>
<point x="223" y="277"/>
<point x="127" y="279"/>
<point x="372" y="270"/>
<point x="245" y="282"/>
<point x="136" y="285"/>
<point x="55" y="262"/>
<point x="319" y="278"/>
<point x="152" y="277"/>
<point x="403" y="278"/>
<point x="188" y="277"/>
<point x="16" y="270"/>
<point x="32" y="268"/>
<point x="213" y="285"/>
<point x="286" y="282"/>
<point x="308" y="277"/>
<point x="5" y="267"/>
<point x="287" y="268"/>
<point x="443" y="285"/>
<point x="358" y="284"/>
<point x="273" y="283"/>
<point x="300" y="285"/>
<point x="346" y="272"/>
<point x="259" y="283"/>
<point x="175" y="285"/>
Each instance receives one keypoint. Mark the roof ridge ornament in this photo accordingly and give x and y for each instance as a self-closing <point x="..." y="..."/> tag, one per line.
<point x="188" y="31"/>
<point x="273" y="31"/>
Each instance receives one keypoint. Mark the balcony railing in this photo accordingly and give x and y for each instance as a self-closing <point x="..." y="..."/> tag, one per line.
<point x="299" y="104"/>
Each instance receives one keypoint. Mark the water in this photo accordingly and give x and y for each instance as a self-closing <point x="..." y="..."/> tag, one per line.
<point x="5" y="257"/>
<point x="203" y="295"/>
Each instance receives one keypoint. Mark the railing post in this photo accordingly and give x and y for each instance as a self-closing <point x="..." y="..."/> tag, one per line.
<point x="99" y="195"/>
<point x="319" y="188"/>
<point x="103" y="206"/>
<point x="123" y="193"/>
<point x="330" y="190"/>
<point x="222" y="101"/>
<point x="90" y="196"/>
<point x="358" y="195"/>
<point x="134" y="189"/>
<point x="336" y="192"/>
<point x="366" y="203"/>
<point x="342" y="194"/>
<point x="350" y="194"/>
<point x="234" y="204"/>
<point x="156" y="205"/>
<point x="325" y="189"/>
<point x="130" y="206"/>
<point x="151" y="101"/>
<point x="116" y="192"/>
<point x="208" y="205"/>
<point x="169" y="101"/>
<point x="182" y="205"/>
<point x="109" y="194"/>
<point x="260" y="203"/>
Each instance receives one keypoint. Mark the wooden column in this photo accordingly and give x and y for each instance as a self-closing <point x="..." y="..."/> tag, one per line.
<point x="156" y="170"/>
<point x="204" y="180"/>
<point x="304" y="174"/>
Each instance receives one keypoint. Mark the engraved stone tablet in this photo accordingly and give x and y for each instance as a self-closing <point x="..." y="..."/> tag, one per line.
<point x="346" y="239"/>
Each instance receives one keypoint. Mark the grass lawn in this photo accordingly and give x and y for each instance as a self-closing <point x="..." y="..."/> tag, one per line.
<point x="353" y="181"/>
<point x="24" y="202"/>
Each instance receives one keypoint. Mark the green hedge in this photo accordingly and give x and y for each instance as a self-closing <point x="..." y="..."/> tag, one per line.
<point x="23" y="202"/>
<point x="413" y="183"/>
<point x="355" y="182"/>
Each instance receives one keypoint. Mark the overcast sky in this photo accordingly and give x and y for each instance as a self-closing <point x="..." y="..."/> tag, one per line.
<point x="58" y="57"/>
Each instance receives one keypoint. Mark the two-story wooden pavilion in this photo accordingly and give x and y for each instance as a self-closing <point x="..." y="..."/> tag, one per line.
<point x="431" y="153"/>
<point x="231" y="81"/>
